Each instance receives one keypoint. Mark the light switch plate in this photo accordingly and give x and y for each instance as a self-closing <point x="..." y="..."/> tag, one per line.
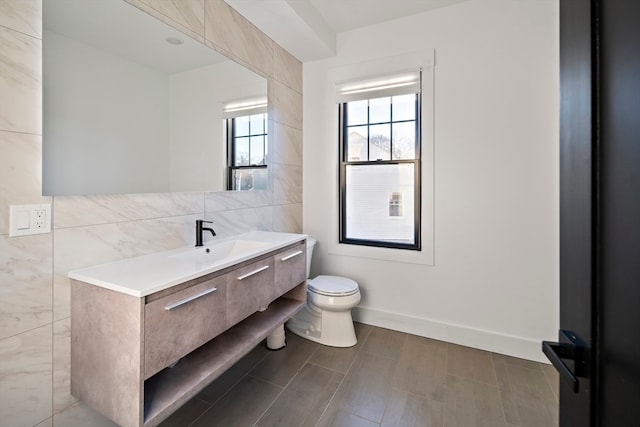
<point x="29" y="219"/>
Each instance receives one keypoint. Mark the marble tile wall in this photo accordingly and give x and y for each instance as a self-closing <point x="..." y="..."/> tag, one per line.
<point x="34" y="289"/>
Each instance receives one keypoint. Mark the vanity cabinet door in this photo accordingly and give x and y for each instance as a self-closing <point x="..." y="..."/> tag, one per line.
<point x="290" y="268"/>
<point x="177" y="324"/>
<point x="249" y="289"/>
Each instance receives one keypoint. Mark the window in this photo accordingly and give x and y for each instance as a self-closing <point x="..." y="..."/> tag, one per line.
<point x="395" y="204"/>
<point x="247" y="142"/>
<point x="380" y="162"/>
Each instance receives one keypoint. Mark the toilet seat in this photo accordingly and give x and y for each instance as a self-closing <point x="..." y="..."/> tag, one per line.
<point x="333" y="286"/>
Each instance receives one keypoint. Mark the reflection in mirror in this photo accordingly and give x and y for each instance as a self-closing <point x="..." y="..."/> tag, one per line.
<point x="131" y="105"/>
<point x="247" y="130"/>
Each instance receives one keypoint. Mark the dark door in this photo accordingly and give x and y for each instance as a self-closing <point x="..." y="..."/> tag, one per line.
<point x="618" y="368"/>
<point x="577" y="213"/>
<point x="598" y="350"/>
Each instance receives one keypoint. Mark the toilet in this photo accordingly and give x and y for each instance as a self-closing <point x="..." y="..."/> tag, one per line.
<point x="326" y="318"/>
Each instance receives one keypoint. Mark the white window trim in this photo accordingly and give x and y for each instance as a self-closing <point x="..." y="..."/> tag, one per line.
<point x="423" y="59"/>
<point x="400" y="83"/>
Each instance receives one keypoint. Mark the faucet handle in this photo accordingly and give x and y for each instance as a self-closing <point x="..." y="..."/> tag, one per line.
<point x="200" y="229"/>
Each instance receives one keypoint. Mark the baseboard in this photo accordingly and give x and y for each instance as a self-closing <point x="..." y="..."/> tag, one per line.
<point x="463" y="335"/>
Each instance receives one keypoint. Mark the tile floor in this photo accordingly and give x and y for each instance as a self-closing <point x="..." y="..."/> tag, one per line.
<point x="388" y="379"/>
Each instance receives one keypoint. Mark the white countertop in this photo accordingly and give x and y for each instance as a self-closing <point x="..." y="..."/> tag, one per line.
<point x="142" y="276"/>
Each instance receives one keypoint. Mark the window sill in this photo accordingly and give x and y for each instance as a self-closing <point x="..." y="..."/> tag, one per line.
<point x="422" y="257"/>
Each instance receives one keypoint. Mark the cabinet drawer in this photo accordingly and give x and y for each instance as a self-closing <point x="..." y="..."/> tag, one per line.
<point x="177" y="324"/>
<point x="249" y="289"/>
<point x="290" y="268"/>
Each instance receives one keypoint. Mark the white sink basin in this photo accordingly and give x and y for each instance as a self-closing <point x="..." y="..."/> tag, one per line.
<point x="215" y="252"/>
<point x="144" y="275"/>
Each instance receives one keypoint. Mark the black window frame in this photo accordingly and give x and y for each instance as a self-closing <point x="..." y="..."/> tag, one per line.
<point x="231" y="149"/>
<point x="344" y="162"/>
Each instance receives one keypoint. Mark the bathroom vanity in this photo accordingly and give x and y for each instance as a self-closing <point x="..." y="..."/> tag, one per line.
<point x="149" y="333"/>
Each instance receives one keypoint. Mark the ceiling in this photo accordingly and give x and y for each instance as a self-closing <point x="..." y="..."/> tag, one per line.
<point x="127" y="32"/>
<point x="308" y="28"/>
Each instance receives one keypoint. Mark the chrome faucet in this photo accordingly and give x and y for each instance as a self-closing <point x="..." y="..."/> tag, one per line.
<point x="200" y="229"/>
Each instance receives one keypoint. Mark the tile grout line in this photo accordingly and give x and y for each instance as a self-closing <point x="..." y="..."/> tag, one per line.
<point x="553" y="387"/>
<point x="198" y="417"/>
<point x="283" y="388"/>
<point x="446" y="374"/>
<point x="342" y="380"/>
<point x="496" y="386"/>
<point x="211" y="405"/>
<point x="386" y="405"/>
<point x="324" y="367"/>
<point x="504" y="413"/>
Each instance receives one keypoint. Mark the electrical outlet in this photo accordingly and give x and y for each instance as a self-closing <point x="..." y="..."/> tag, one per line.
<point x="39" y="218"/>
<point x="29" y="219"/>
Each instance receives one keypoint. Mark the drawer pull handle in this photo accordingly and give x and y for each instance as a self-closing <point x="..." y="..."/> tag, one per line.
<point x="291" y="256"/>
<point x="190" y="298"/>
<point x="244" y="276"/>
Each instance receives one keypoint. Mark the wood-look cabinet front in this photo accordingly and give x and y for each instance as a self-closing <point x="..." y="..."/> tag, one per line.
<point x="290" y="268"/>
<point x="249" y="289"/>
<point x="178" y="323"/>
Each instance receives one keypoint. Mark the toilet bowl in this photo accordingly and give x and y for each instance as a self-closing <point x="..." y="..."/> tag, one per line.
<point x="326" y="318"/>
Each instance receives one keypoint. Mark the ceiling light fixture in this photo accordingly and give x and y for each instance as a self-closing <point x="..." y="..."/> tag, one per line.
<point x="174" y="40"/>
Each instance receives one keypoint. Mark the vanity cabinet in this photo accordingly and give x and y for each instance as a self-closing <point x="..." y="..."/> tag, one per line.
<point x="178" y="323"/>
<point x="290" y="268"/>
<point x="251" y="289"/>
<point x="138" y="359"/>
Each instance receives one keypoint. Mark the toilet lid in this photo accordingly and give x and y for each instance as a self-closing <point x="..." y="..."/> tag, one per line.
<point x="332" y="286"/>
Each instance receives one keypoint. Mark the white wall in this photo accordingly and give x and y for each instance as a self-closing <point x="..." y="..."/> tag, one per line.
<point x="116" y="142"/>
<point x="197" y="149"/>
<point x="494" y="282"/>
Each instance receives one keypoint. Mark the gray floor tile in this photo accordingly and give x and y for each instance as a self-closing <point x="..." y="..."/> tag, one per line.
<point x="365" y="390"/>
<point x="421" y="368"/>
<point x="187" y="414"/>
<point x="279" y="367"/>
<point x="469" y="403"/>
<point x="341" y="418"/>
<point x="305" y="398"/>
<point x="335" y="358"/>
<point x="233" y="375"/>
<point x="242" y="406"/>
<point x="385" y="342"/>
<point x="340" y="359"/>
<point x="470" y="363"/>
<point x="408" y="410"/>
<point x="526" y="395"/>
<point x="553" y="378"/>
<point x="363" y="331"/>
<point x="515" y="361"/>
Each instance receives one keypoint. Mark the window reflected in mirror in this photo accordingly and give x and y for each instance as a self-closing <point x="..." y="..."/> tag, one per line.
<point x="247" y="134"/>
<point x="247" y="147"/>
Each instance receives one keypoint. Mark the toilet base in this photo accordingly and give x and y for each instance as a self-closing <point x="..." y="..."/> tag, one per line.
<point x="329" y="328"/>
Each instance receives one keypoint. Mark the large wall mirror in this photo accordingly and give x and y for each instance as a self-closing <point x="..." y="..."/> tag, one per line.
<point x="131" y="105"/>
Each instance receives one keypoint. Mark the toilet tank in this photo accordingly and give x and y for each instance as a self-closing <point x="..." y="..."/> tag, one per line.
<point x="310" y="244"/>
